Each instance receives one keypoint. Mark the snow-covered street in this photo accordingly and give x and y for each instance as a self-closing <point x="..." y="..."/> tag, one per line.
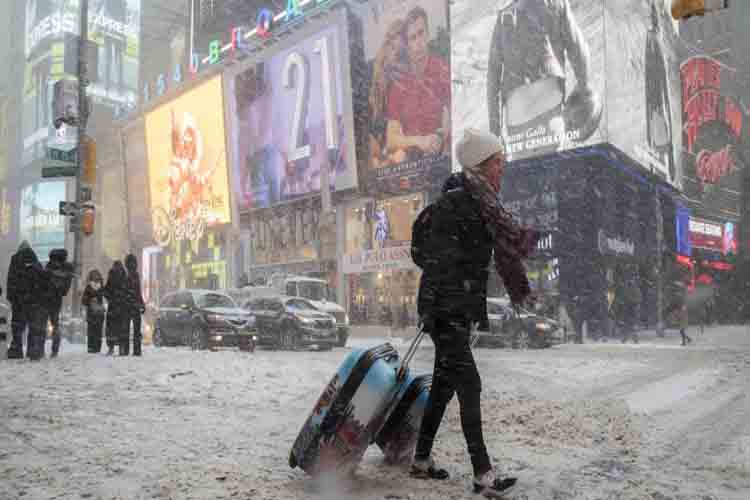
<point x="595" y="421"/>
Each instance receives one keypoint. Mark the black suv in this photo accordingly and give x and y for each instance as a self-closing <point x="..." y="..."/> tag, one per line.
<point x="291" y="322"/>
<point x="203" y="319"/>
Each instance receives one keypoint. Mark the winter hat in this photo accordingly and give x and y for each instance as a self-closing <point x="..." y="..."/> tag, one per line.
<point x="476" y="146"/>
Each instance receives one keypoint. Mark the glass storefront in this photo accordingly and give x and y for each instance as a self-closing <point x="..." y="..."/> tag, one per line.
<point x="381" y="278"/>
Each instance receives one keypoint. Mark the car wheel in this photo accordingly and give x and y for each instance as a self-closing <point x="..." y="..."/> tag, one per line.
<point x="289" y="337"/>
<point x="157" y="338"/>
<point x="522" y="339"/>
<point x="198" y="340"/>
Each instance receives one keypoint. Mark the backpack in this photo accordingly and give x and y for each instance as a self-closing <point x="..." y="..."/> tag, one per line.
<point x="420" y="236"/>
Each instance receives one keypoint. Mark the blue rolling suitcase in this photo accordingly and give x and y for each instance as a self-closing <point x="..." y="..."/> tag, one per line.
<point x="354" y="406"/>
<point x="398" y="437"/>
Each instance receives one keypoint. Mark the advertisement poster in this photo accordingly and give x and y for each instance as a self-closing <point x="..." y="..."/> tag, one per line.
<point x="41" y="223"/>
<point x="378" y="234"/>
<point x="530" y="71"/>
<point x="713" y="128"/>
<point x="286" y="234"/>
<point x="187" y="164"/>
<point x="713" y="236"/>
<point x="114" y="25"/>
<point x="289" y="123"/>
<point x="643" y="90"/>
<point x="408" y="91"/>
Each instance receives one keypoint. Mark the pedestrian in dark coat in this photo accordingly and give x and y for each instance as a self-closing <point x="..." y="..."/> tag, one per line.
<point x="27" y="281"/>
<point x="116" y="293"/>
<point x="93" y="301"/>
<point x="453" y="242"/>
<point x="60" y="273"/>
<point x="136" y="305"/>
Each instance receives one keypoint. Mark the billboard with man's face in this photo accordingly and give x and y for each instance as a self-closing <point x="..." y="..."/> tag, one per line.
<point x="187" y="164"/>
<point x="289" y="123"/>
<point x="404" y="124"/>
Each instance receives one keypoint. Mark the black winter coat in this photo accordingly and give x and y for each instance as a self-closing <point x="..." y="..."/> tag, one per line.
<point x="117" y="294"/>
<point x="455" y="257"/>
<point x="27" y="280"/>
<point x="92" y="298"/>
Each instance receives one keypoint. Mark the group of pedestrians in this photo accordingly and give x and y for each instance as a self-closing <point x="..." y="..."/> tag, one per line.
<point x="36" y="293"/>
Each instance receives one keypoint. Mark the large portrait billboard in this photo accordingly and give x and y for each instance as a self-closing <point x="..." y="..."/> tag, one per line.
<point x="531" y="71"/>
<point x="405" y="142"/>
<point x="187" y="164"/>
<point x="289" y="123"/>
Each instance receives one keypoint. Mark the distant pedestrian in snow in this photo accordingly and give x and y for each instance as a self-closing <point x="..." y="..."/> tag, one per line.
<point x="684" y="325"/>
<point x="93" y="301"/>
<point x="60" y="274"/>
<point x="27" y="280"/>
<point x="117" y="295"/>
<point x="453" y="242"/>
<point x="136" y="304"/>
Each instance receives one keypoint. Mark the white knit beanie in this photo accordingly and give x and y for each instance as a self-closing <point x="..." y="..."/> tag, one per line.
<point x="476" y="146"/>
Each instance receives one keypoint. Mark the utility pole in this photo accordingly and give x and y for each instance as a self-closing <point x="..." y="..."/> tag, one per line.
<point x="82" y="119"/>
<point x="659" y="260"/>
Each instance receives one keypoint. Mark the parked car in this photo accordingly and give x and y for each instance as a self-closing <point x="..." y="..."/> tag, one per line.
<point x="292" y="322"/>
<point x="528" y="330"/>
<point x="203" y="319"/>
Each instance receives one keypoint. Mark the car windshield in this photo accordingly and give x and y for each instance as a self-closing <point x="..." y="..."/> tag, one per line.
<point x="215" y="300"/>
<point x="312" y="290"/>
<point x="496" y="309"/>
<point x="299" y="305"/>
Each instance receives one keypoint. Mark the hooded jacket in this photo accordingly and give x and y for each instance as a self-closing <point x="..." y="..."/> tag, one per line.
<point x="27" y="279"/>
<point x="60" y="274"/>
<point x="116" y="291"/>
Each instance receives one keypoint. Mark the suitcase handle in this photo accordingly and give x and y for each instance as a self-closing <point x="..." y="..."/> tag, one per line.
<point x="410" y="353"/>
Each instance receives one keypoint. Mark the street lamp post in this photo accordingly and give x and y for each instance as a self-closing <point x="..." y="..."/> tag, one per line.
<point x="82" y="119"/>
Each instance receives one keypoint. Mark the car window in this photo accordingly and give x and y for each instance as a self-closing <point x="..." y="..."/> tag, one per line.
<point x="275" y="306"/>
<point x="184" y="299"/>
<point x="495" y="309"/>
<point x="168" y="301"/>
<point x="298" y="305"/>
<point x="291" y="289"/>
<point x="215" y="300"/>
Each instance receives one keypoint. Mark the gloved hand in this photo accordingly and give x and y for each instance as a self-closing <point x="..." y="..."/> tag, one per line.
<point x="428" y="323"/>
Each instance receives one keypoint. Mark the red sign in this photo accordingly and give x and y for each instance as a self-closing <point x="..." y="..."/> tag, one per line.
<point x="706" y="111"/>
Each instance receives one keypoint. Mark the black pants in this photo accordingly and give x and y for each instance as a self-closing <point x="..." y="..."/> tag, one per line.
<point x="117" y="330"/>
<point x="94" y="336"/>
<point x="455" y="372"/>
<point x="54" y="319"/>
<point x="34" y="318"/>
<point x="137" y="335"/>
<point x="18" y="324"/>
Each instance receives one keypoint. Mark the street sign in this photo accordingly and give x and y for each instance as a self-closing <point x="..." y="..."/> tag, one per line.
<point x="70" y="156"/>
<point x="68" y="208"/>
<point x="59" y="171"/>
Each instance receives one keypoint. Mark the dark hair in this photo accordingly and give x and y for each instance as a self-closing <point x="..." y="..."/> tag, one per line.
<point x="412" y="16"/>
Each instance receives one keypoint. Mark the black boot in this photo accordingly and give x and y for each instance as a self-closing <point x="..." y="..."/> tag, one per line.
<point x="111" y="350"/>
<point x="491" y="486"/>
<point x="426" y="469"/>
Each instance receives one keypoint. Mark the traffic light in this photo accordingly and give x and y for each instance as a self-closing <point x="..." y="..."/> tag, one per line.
<point x="683" y="9"/>
<point x="88" y="216"/>
<point x="88" y="150"/>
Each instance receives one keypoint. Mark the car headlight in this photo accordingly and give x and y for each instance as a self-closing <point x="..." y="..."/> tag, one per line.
<point x="543" y="327"/>
<point x="307" y="321"/>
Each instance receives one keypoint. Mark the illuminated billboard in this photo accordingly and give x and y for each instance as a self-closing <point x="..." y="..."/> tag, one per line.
<point x="534" y="72"/>
<point x="290" y="122"/>
<point x="41" y="223"/>
<point x="187" y="164"/>
<point x="404" y="109"/>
